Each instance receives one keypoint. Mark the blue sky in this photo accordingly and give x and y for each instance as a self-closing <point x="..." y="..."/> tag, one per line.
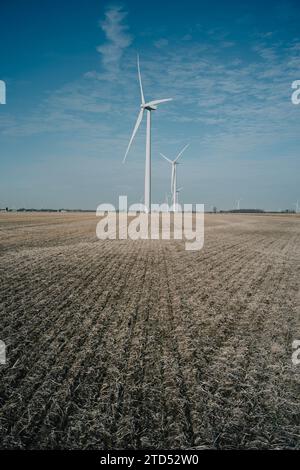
<point x="73" y="98"/>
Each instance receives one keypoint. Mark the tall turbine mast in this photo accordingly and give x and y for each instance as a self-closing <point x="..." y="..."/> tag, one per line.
<point x="148" y="107"/>
<point x="238" y="204"/>
<point x="177" y="195"/>
<point x="174" y="164"/>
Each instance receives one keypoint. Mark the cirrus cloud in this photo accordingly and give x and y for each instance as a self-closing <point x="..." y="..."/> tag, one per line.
<point x="117" y="38"/>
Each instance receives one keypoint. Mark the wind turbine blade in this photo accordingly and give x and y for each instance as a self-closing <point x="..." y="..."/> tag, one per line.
<point x="166" y="158"/>
<point x="179" y="189"/>
<point x="181" y="152"/>
<point x="155" y="102"/>
<point x="137" y="125"/>
<point x="140" y="80"/>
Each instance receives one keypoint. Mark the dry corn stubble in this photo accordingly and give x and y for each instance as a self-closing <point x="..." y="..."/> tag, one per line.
<point x="141" y="344"/>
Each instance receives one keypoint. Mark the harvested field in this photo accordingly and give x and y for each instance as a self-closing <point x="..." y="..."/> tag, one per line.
<point x="141" y="344"/>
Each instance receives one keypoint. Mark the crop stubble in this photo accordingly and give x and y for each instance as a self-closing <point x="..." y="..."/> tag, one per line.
<point x="141" y="344"/>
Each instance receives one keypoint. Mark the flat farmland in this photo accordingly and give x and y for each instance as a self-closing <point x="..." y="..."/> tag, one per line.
<point x="141" y="344"/>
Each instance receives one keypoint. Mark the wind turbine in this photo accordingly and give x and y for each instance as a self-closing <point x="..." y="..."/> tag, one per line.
<point x="238" y="204"/>
<point x="297" y="206"/>
<point x="177" y="195"/>
<point x="167" y="199"/>
<point x="149" y="106"/>
<point x="174" y="164"/>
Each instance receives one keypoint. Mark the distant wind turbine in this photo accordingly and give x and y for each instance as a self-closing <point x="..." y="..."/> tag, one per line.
<point x="174" y="164"/>
<point x="149" y="106"/>
<point x="297" y="206"/>
<point x="177" y="195"/>
<point x="238" y="204"/>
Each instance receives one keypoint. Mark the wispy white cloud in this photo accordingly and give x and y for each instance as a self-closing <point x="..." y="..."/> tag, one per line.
<point x="229" y="100"/>
<point x="117" y="38"/>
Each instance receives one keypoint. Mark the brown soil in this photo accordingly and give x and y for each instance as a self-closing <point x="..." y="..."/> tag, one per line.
<point x="141" y="344"/>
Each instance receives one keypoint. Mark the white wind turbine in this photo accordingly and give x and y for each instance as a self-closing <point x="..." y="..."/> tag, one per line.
<point x="297" y="206"/>
<point x="149" y="106"/>
<point x="177" y="195"/>
<point x="174" y="164"/>
<point x="238" y="204"/>
<point x="167" y="199"/>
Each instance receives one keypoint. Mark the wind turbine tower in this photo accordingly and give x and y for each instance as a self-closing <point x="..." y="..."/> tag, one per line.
<point x="148" y="107"/>
<point x="177" y="196"/>
<point x="174" y="164"/>
<point x="238" y="204"/>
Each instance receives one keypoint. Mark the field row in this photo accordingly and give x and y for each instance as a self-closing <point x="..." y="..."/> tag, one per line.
<point x="142" y="344"/>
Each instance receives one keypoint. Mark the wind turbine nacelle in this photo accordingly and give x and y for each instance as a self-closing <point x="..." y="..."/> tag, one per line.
<point x="151" y="107"/>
